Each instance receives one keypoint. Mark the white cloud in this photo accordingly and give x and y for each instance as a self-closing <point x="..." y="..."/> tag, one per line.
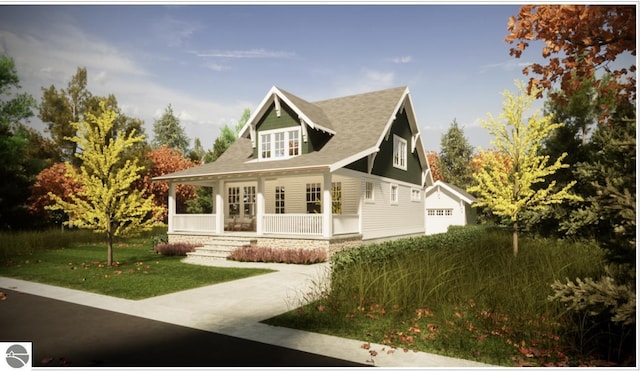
<point x="51" y="56"/>
<point x="217" y="67"/>
<point x="175" y="32"/>
<point x="509" y="65"/>
<point x="403" y="60"/>
<point x="250" y="53"/>
<point x="367" y="80"/>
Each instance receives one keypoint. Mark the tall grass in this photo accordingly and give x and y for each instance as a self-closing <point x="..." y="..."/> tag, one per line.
<point x="14" y="244"/>
<point x="482" y="269"/>
<point x="462" y="293"/>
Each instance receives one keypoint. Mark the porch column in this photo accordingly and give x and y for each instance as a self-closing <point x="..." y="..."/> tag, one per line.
<point x="220" y="207"/>
<point x="260" y="206"/>
<point x="327" y="203"/>
<point x="171" y="206"/>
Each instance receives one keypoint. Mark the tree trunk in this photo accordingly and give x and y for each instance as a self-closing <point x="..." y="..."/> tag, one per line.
<point x="110" y="249"/>
<point x="515" y="239"/>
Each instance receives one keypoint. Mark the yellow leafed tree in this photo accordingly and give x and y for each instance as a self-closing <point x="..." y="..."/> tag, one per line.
<point x="514" y="181"/>
<point x="107" y="202"/>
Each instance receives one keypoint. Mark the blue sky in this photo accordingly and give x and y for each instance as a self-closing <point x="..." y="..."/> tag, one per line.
<point x="210" y="62"/>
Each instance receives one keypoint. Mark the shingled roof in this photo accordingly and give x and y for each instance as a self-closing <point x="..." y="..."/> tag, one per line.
<point x="358" y="124"/>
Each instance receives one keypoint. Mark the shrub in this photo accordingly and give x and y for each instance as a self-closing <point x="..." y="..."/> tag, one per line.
<point x="158" y="239"/>
<point x="175" y="249"/>
<point x="278" y="255"/>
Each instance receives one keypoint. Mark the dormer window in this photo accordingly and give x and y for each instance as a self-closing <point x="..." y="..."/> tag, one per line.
<point x="280" y="144"/>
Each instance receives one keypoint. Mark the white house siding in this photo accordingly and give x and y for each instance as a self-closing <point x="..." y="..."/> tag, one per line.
<point x="295" y="189"/>
<point x="441" y="199"/>
<point x="381" y="218"/>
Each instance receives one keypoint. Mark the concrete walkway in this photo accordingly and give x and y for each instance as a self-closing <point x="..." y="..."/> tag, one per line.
<point x="235" y="309"/>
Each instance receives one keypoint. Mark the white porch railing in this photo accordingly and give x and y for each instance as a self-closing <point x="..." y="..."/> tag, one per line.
<point x="194" y="223"/>
<point x="305" y="224"/>
<point x="346" y="223"/>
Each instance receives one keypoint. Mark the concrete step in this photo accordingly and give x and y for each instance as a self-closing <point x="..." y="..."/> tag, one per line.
<point x="218" y="249"/>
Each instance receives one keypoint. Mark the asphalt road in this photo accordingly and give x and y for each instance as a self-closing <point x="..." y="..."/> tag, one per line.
<point x="67" y="334"/>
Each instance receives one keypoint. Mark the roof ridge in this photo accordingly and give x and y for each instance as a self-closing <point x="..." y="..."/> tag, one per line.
<point x="403" y="87"/>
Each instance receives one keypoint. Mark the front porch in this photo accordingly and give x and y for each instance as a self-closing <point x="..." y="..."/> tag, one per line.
<point x="272" y="224"/>
<point x="308" y="205"/>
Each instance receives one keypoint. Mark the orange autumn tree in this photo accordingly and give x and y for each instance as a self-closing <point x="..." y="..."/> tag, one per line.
<point x="432" y="158"/>
<point x="579" y="39"/>
<point x="167" y="160"/>
<point x="52" y="179"/>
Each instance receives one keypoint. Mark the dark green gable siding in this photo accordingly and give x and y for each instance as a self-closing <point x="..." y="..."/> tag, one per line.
<point x="383" y="165"/>
<point x="288" y="118"/>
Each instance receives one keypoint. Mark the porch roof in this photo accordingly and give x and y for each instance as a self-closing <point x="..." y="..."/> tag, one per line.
<point x="360" y="122"/>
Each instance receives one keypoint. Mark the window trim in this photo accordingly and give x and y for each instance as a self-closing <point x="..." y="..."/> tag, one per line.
<point x="416" y="195"/>
<point x="286" y="141"/>
<point x="371" y="199"/>
<point x="393" y="201"/>
<point x="399" y="156"/>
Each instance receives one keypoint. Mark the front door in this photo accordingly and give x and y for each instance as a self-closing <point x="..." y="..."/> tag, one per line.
<point x="241" y="207"/>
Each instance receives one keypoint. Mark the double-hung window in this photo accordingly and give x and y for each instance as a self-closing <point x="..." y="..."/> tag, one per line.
<point x="280" y="143"/>
<point x="399" y="152"/>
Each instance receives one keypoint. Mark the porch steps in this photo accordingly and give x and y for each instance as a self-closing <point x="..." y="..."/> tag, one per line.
<point x="218" y="249"/>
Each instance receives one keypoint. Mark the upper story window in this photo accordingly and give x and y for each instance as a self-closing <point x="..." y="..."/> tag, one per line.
<point x="280" y="143"/>
<point x="399" y="152"/>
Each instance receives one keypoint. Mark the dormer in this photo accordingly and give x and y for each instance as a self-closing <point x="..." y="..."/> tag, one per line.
<point x="285" y="126"/>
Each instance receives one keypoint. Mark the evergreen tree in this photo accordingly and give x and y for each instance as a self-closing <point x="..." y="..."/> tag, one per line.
<point x="168" y="131"/>
<point x="107" y="203"/>
<point x="455" y="155"/>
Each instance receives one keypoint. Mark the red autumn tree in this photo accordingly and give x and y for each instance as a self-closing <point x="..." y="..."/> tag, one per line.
<point x="167" y="160"/>
<point x="432" y="158"/>
<point x="54" y="180"/>
<point x="579" y="39"/>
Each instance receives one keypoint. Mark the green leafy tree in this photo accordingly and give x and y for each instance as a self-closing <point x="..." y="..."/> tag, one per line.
<point x="510" y="188"/>
<point x="58" y="108"/>
<point x="168" y="131"/>
<point x="107" y="203"/>
<point x="24" y="151"/>
<point x="455" y="155"/>
<point x="196" y="154"/>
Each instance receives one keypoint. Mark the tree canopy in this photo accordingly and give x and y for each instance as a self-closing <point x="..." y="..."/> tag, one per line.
<point x="168" y="131"/>
<point x="108" y="202"/>
<point x="579" y="39"/>
<point x="508" y="188"/>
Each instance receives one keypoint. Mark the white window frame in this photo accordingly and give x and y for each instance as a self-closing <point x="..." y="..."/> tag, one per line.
<point x="394" y="194"/>
<point x="280" y="144"/>
<point x="416" y="195"/>
<point x="369" y="196"/>
<point x="399" y="152"/>
<point x="440" y="212"/>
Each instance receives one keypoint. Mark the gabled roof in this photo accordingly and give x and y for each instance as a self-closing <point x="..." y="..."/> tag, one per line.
<point x="462" y="194"/>
<point x="358" y="124"/>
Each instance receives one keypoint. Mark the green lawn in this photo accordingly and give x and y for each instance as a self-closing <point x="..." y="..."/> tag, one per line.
<point x="137" y="274"/>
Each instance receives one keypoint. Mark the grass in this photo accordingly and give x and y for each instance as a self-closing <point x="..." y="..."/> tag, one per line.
<point x="467" y="298"/>
<point x="137" y="274"/>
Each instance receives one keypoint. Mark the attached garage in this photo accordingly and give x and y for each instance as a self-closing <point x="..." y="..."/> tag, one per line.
<point x="447" y="205"/>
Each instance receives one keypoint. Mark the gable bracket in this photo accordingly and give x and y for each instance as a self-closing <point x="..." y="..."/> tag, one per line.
<point x="370" y="160"/>
<point x="252" y="134"/>
<point x="303" y="127"/>
<point x="414" y="141"/>
<point x="276" y="100"/>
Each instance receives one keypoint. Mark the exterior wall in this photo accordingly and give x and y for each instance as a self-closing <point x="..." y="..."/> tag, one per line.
<point x="380" y="218"/>
<point x="295" y="189"/>
<point x="442" y="199"/>
<point x="383" y="166"/>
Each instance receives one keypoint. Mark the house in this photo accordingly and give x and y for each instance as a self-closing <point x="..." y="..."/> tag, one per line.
<point x="447" y="205"/>
<point x="330" y="173"/>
